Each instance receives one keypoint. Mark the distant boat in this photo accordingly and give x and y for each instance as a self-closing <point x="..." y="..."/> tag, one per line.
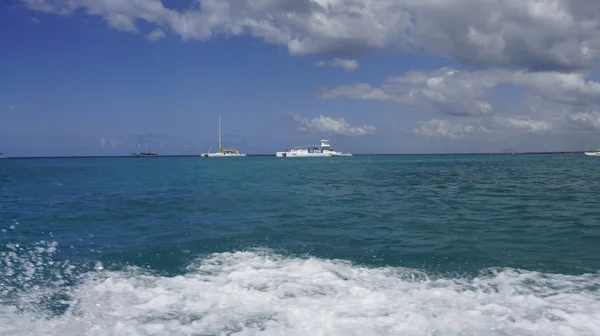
<point x="145" y="154"/>
<point x="324" y="150"/>
<point x="2" y="156"/>
<point x="223" y="152"/>
<point x="596" y="153"/>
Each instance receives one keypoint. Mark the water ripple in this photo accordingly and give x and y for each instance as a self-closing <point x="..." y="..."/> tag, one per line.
<point x="444" y="213"/>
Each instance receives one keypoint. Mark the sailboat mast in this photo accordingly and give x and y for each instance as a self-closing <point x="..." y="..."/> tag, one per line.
<point x="149" y="138"/>
<point x="220" y="133"/>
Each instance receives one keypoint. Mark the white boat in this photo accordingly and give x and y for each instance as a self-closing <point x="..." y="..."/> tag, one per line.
<point x="2" y="156"/>
<point x="223" y="152"/>
<point x="324" y="150"/>
<point x="596" y="153"/>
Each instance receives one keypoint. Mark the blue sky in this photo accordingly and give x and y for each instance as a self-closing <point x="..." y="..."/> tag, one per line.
<point x="80" y="82"/>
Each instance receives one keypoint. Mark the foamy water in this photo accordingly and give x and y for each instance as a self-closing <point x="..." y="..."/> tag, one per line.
<point x="263" y="293"/>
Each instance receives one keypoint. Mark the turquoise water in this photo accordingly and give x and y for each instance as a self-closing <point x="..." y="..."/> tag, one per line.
<point x="371" y="245"/>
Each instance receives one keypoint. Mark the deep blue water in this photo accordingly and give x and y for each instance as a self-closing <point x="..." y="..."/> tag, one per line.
<point x="412" y="245"/>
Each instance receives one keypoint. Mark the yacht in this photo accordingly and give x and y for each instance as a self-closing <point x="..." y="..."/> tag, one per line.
<point x="596" y="153"/>
<point x="145" y="154"/>
<point x="223" y="152"/>
<point x="2" y="156"/>
<point x="324" y="150"/>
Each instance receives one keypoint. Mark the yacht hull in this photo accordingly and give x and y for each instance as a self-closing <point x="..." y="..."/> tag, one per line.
<point x="324" y="150"/>
<point x="300" y="154"/>
<point x="221" y="155"/>
<point x="592" y="153"/>
<point x="144" y="155"/>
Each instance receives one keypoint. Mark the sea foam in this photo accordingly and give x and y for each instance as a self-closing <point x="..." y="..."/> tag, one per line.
<point x="260" y="292"/>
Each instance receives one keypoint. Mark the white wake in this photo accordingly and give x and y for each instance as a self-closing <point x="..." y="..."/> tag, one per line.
<point x="263" y="293"/>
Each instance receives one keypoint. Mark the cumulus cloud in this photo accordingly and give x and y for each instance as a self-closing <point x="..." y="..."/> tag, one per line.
<point x="346" y="64"/>
<point x="156" y="34"/>
<point x="529" y="61"/>
<point x="361" y="91"/>
<point x="445" y="129"/>
<point x="55" y="7"/>
<point x="531" y="34"/>
<point x="567" y="88"/>
<point x="472" y="128"/>
<point x="444" y="90"/>
<point x="328" y="125"/>
<point x="552" y="101"/>
<point x="583" y="121"/>
<point x="121" y="22"/>
<point x="522" y="124"/>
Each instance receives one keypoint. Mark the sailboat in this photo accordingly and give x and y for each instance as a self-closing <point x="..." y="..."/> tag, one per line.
<point x="223" y="152"/>
<point x="148" y="153"/>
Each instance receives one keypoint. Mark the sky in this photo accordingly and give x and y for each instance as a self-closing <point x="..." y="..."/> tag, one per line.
<point x="92" y="77"/>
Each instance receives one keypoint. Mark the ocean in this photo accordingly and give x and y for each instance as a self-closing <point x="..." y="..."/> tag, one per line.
<point x="366" y="245"/>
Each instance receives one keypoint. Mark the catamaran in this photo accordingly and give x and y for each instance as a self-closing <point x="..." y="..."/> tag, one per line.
<point x="223" y="152"/>
<point x="596" y="153"/>
<point x="324" y="150"/>
<point x="148" y="153"/>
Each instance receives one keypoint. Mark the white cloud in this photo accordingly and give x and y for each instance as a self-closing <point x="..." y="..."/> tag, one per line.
<point x="533" y="34"/>
<point x="548" y="101"/>
<point x="323" y="124"/>
<point x="445" y="90"/>
<point x="522" y="124"/>
<point x="529" y="60"/>
<point x="156" y="34"/>
<point x="477" y="127"/>
<point x="584" y="121"/>
<point x="65" y="7"/>
<point x="346" y="64"/>
<point x="445" y="129"/>
<point x="360" y="91"/>
<point x="121" y="22"/>
<point x="567" y="88"/>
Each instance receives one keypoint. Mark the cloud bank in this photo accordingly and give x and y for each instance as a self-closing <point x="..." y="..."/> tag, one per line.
<point x="328" y="125"/>
<point x="552" y="101"/>
<point x="518" y="66"/>
<point x="531" y="34"/>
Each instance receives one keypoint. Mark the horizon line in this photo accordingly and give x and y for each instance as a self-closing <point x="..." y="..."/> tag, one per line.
<point x="273" y="155"/>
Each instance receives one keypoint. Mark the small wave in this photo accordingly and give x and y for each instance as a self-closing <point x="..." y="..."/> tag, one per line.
<point x="263" y="293"/>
